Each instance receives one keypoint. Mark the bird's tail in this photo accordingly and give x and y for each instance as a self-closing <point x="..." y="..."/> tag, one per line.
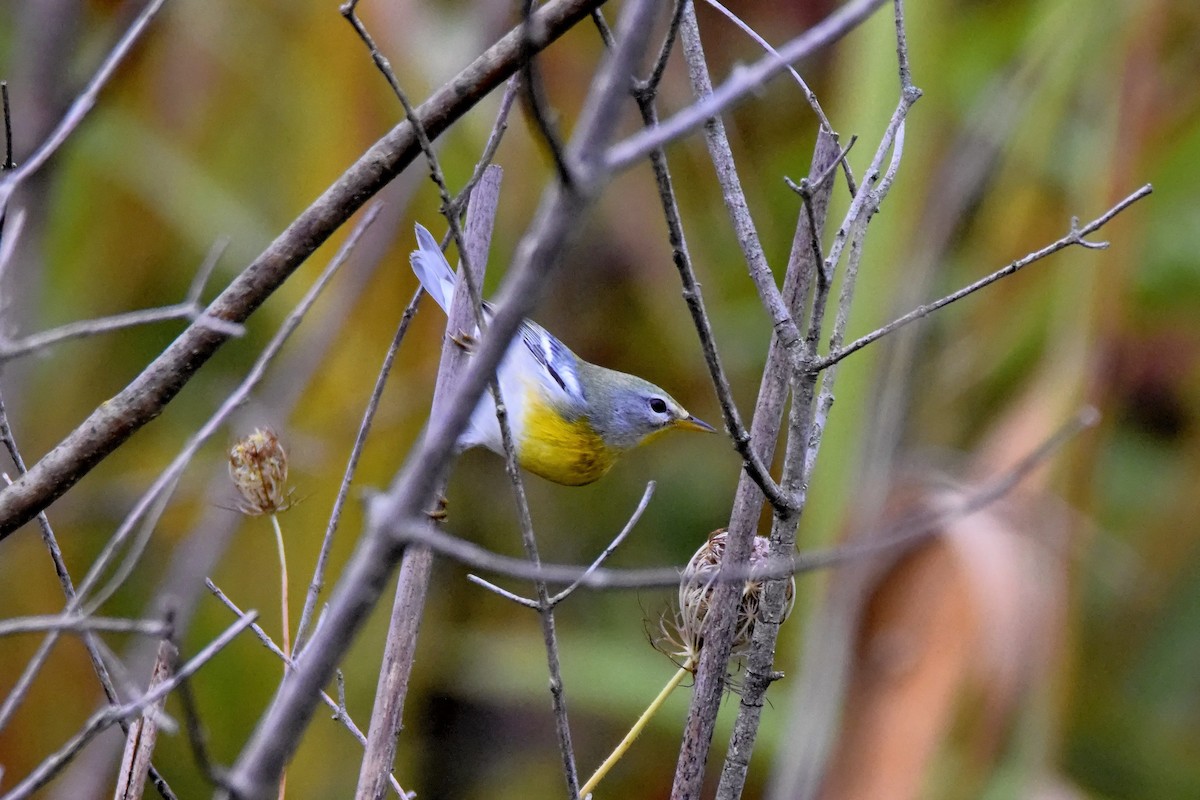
<point x="432" y="268"/>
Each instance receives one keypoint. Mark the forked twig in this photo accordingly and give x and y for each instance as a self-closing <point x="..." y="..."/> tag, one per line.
<point x="1073" y="237"/>
<point x="190" y="309"/>
<point x="595" y="565"/>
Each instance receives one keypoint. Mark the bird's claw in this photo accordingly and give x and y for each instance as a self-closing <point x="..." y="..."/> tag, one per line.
<point x="438" y="512"/>
<point x="464" y="340"/>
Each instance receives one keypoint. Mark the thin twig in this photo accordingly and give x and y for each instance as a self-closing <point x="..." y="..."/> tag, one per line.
<point x="69" y="623"/>
<point x="110" y="715"/>
<point x="81" y="105"/>
<point x="721" y="155"/>
<point x="340" y="712"/>
<point x="1073" y="237"/>
<point x="600" y="559"/>
<point x="143" y="732"/>
<point x="190" y="309"/>
<point x="197" y="740"/>
<point x="475" y="557"/>
<point x="8" y="137"/>
<point x="91" y="643"/>
<point x="809" y="95"/>
<point x="852" y="231"/>
<point x="459" y="205"/>
<point x="360" y="440"/>
<point x="536" y="105"/>
<point x="284" y="623"/>
<point x="10" y="228"/>
<point x="153" y="499"/>
<point x="644" y="93"/>
<point x="741" y="83"/>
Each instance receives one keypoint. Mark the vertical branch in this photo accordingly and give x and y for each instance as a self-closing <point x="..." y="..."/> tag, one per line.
<point x="783" y="310"/>
<point x="748" y="500"/>
<point x="735" y="200"/>
<point x="412" y="585"/>
<point x="805" y="432"/>
<point x="644" y="93"/>
<point x="545" y="606"/>
<point x="143" y="731"/>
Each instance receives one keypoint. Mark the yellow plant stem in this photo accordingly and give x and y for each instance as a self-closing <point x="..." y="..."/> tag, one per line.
<point x="283" y="588"/>
<point x="283" y="613"/>
<point x="636" y="730"/>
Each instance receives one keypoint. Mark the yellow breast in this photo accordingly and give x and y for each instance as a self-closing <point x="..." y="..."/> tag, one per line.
<point x="565" y="451"/>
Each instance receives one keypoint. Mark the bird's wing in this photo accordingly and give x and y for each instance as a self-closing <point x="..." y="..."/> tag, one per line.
<point x="432" y="268"/>
<point x="555" y="359"/>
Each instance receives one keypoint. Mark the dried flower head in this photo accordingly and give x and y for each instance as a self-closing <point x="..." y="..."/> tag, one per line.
<point x="259" y="468"/>
<point x="684" y="634"/>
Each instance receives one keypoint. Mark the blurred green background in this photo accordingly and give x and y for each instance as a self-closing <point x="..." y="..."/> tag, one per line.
<point x="231" y="117"/>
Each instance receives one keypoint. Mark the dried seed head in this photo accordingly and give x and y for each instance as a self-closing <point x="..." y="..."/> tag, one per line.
<point x="258" y="466"/>
<point x="685" y="633"/>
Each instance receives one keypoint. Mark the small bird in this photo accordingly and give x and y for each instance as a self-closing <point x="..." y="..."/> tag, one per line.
<point x="570" y="419"/>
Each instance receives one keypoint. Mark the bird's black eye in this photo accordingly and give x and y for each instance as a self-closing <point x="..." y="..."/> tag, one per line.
<point x="658" y="405"/>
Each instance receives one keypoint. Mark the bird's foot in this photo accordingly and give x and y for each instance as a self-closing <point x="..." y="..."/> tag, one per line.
<point x="464" y="340"/>
<point x="438" y="512"/>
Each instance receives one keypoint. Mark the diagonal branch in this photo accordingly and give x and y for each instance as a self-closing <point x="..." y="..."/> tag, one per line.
<point x="79" y="108"/>
<point x="367" y="573"/>
<point x="144" y="399"/>
<point x="1073" y="237"/>
<point x="111" y="715"/>
<point x="742" y="82"/>
<point x="189" y="309"/>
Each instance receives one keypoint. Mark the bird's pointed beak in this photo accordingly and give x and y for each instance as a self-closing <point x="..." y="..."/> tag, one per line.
<point x="690" y="423"/>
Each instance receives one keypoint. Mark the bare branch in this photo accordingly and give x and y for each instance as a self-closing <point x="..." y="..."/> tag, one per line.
<point x="79" y="108"/>
<point x="8" y="139"/>
<point x="809" y="95"/>
<point x="151" y="503"/>
<point x="70" y="623"/>
<point x="742" y="82"/>
<point x="340" y="713"/>
<point x="475" y="557"/>
<point x="536" y="105"/>
<point x="90" y="642"/>
<point x="364" y="577"/>
<point x="190" y="309"/>
<point x="1074" y="237"/>
<point x="721" y="155"/>
<point x="105" y="718"/>
<point x="805" y="435"/>
<point x="360" y="440"/>
<point x="408" y="605"/>
<point x="600" y="559"/>
<point x="645" y="93"/>
<point x="143" y="732"/>
<point x="114" y="422"/>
